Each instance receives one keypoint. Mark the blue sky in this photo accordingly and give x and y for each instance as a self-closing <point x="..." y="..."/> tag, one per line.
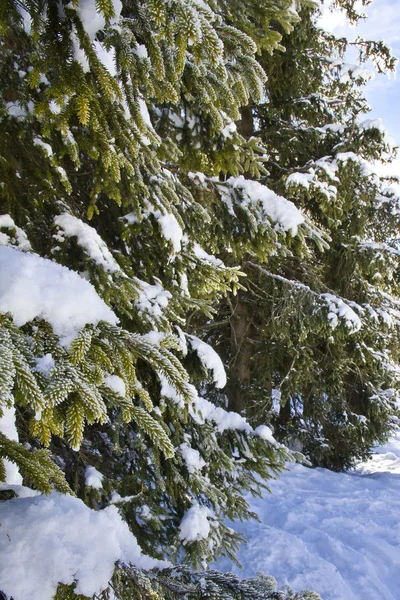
<point x="383" y="23"/>
<point x="384" y="94"/>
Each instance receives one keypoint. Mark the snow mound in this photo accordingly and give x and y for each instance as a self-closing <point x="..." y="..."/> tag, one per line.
<point x="116" y="384"/>
<point x="340" y="310"/>
<point x="384" y="461"/>
<point x="171" y="229"/>
<point x="49" y="539"/>
<point x="335" y="533"/>
<point x="34" y="287"/>
<point x="21" y="239"/>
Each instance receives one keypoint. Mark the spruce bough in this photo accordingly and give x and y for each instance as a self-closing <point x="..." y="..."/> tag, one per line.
<point x="126" y="156"/>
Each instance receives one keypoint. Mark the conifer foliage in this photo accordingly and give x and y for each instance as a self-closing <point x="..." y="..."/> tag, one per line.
<point x="107" y="112"/>
<point x="137" y="190"/>
<point x="313" y="341"/>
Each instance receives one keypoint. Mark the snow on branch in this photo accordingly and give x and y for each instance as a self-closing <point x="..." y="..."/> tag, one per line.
<point x="8" y="427"/>
<point x="19" y="237"/>
<point x="282" y="212"/>
<point x="88" y="238"/>
<point x="64" y="550"/>
<point x="337" y="307"/>
<point x="284" y="280"/>
<point x="209" y="359"/>
<point x="33" y="287"/>
<point x="195" y="525"/>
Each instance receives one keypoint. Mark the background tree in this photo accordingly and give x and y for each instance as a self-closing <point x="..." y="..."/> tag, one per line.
<point x="314" y="336"/>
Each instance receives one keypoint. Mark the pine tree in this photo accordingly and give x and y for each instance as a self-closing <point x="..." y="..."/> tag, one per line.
<point x="136" y="193"/>
<point x="313" y="340"/>
<point x="110" y="113"/>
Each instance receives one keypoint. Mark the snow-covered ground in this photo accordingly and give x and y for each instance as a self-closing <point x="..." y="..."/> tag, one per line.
<point x="335" y="533"/>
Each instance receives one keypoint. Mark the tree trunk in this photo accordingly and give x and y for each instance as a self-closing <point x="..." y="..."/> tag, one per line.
<point x="241" y="320"/>
<point x="246" y="124"/>
<point x="241" y="325"/>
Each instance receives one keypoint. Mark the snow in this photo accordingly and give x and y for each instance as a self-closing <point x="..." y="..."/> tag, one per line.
<point x="87" y="238"/>
<point x="303" y="179"/>
<point x="340" y="310"/>
<point x="93" y="21"/>
<point x="44" y="145"/>
<point x="7" y="426"/>
<point x="171" y="229"/>
<point x="335" y="533"/>
<point x="192" y="458"/>
<point x="209" y="359"/>
<point x="26" y="18"/>
<point x="169" y="391"/>
<point x="198" y="176"/>
<point x="118" y="499"/>
<point x="21" y="239"/>
<point x="374" y="124"/>
<point x="93" y="478"/>
<point x="55" y="108"/>
<point x="330" y="166"/>
<point x="223" y="419"/>
<point x="34" y="287"/>
<point x="385" y="459"/>
<point x="265" y="432"/>
<point x="106" y="57"/>
<point x="229" y="128"/>
<point x="153" y="300"/>
<point x="141" y="51"/>
<point x="210" y="258"/>
<point x="348" y="71"/>
<point x="281" y="211"/>
<point x="144" y="112"/>
<point x="15" y="109"/>
<point x="50" y="539"/>
<point x="116" y="384"/>
<point x="195" y="525"/>
<point x="79" y="53"/>
<point x="184" y="285"/>
<point x="182" y="340"/>
<point x="154" y="337"/>
<point x="45" y="364"/>
<point x="202" y="410"/>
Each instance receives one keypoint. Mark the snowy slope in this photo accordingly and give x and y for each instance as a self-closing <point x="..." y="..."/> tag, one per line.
<point x="336" y="533"/>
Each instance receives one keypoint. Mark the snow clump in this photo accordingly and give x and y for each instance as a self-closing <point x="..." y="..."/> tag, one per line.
<point x="93" y="478"/>
<point x="195" y="525"/>
<point x="209" y="359"/>
<point x="34" y="287"/>
<point x="88" y="239"/>
<point x="32" y="565"/>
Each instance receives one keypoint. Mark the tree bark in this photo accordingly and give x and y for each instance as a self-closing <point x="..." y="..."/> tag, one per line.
<point x="246" y="124"/>
<point x="241" y="320"/>
<point x="241" y="326"/>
